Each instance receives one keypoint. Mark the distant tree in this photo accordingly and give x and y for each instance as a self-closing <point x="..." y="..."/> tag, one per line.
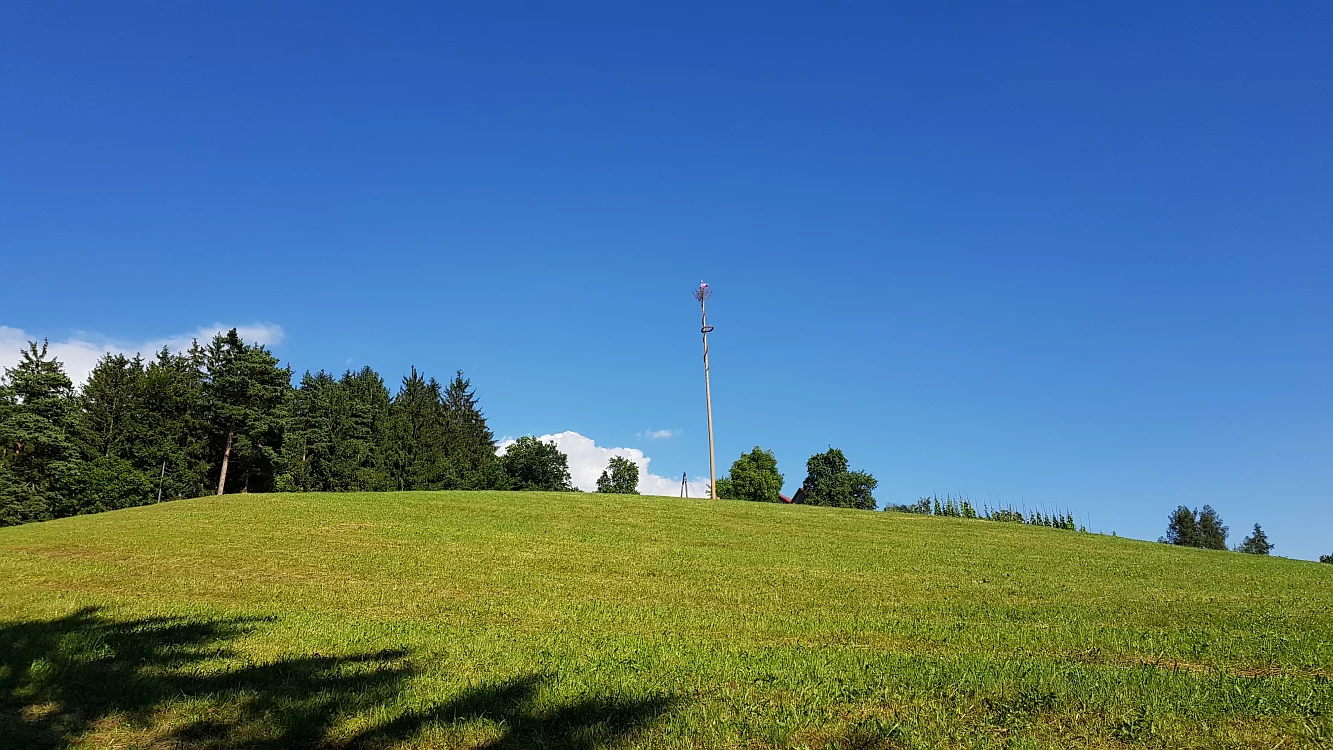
<point x="754" y="476"/>
<point x="418" y="434"/>
<point x="469" y="442"/>
<point x="531" y="464"/>
<point x="111" y="408"/>
<point x="1212" y="532"/>
<point x="621" y="477"/>
<point x="39" y="461"/>
<point x="1182" y="528"/>
<point x="174" y="450"/>
<point x="1256" y="543"/>
<point x="244" y="394"/>
<point x="829" y="482"/>
<point x="1326" y="558"/>
<point x="921" y="506"/>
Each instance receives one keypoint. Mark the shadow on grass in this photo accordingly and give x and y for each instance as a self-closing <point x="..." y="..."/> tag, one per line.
<point x="177" y="682"/>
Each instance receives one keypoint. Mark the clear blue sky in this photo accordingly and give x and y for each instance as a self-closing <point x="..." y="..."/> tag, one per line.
<point x="1079" y="255"/>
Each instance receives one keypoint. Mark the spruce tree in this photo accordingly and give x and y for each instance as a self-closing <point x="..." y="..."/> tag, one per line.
<point x="174" y="451"/>
<point x="1182" y="528"/>
<point x="1212" y="532"/>
<point x="469" y="442"/>
<point x="111" y="408"/>
<point x="417" y="457"/>
<point x="244" y="394"/>
<point x="39" y="462"/>
<point x="1256" y="543"/>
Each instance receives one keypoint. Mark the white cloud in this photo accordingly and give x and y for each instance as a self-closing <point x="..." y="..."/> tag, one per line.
<point x="587" y="460"/>
<point x="79" y="353"/>
<point x="655" y="434"/>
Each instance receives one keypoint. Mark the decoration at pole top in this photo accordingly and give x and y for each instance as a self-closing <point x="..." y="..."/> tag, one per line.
<point x="703" y="292"/>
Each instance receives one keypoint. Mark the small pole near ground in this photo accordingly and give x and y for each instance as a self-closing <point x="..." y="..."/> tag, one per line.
<point x="702" y="294"/>
<point x="160" y="479"/>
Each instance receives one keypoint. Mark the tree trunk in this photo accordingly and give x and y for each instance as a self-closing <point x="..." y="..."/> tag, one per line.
<point x="226" y="458"/>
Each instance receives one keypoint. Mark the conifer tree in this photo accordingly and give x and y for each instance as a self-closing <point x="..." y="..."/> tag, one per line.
<point x="1182" y="528"/>
<point x="244" y="394"/>
<point x="39" y="462"/>
<point x="1212" y="532"/>
<point x="417" y="424"/>
<point x="469" y="442"/>
<point x="1256" y="543"/>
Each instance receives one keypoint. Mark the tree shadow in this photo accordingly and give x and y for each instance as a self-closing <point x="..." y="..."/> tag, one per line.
<point x="178" y="682"/>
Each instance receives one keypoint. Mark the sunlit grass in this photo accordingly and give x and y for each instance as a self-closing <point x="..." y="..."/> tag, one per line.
<point x="511" y="619"/>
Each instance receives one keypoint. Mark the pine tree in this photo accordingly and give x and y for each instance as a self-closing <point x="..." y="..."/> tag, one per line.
<point x="244" y="395"/>
<point x="174" y="450"/>
<point x="111" y="408"/>
<point x="1212" y="532"/>
<point x="469" y="442"/>
<point x="39" y="463"/>
<point x="1182" y="528"/>
<point x="418" y="453"/>
<point x="1256" y="543"/>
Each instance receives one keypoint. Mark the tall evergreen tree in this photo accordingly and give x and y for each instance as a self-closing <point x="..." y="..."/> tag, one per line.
<point x="1182" y="528"/>
<point x="418" y="434"/>
<point x="1212" y="532"/>
<point x="469" y="442"/>
<point x="39" y="463"/>
<point x="174" y="453"/>
<point x="1256" y="543"/>
<point x="244" y="394"/>
<point x="111" y="408"/>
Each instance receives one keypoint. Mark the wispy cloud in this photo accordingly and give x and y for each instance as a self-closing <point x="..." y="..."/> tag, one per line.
<point x="656" y="434"/>
<point x="587" y="460"/>
<point x="80" y="351"/>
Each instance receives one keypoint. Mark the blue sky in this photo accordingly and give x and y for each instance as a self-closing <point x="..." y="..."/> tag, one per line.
<point x="1076" y="255"/>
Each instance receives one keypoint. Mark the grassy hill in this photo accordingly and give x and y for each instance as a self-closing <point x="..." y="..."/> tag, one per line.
<point x="515" y="620"/>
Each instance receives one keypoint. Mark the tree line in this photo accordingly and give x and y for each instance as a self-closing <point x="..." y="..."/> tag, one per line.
<point x="225" y="417"/>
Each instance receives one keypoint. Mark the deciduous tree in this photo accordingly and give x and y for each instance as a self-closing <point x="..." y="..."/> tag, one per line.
<point x="531" y="464"/>
<point x="754" y="476"/>
<point x="621" y="477"/>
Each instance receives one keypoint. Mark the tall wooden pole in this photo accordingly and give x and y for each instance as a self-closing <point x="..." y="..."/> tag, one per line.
<point x="708" y="391"/>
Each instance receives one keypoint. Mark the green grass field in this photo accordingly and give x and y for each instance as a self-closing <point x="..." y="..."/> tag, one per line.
<point x="544" y="620"/>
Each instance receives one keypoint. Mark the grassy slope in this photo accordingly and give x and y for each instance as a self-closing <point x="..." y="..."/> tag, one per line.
<point x="461" y="619"/>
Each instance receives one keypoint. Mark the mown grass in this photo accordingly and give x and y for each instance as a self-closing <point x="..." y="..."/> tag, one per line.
<point x="555" y="620"/>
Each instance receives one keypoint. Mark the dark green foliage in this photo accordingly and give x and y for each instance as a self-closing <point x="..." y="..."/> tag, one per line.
<point x="1190" y="528"/>
<point x="416" y="453"/>
<point x="530" y="464"/>
<point x="469" y="443"/>
<point x="1326" y="558"/>
<point x="921" y="506"/>
<point x="754" y="476"/>
<point x="1211" y="529"/>
<point x="244" y="392"/>
<point x="39" y="462"/>
<point x="225" y="417"/>
<point x="1256" y="543"/>
<point x="110" y="483"/>
<point x="621" y="477"/>
<point x="828" y="482"/>
<point x="1182" y="528"/>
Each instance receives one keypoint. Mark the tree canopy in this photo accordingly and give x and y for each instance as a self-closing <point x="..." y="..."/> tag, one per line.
<point x="754" y="476"/>
<point x="1256" y="543"/>
<point x="829" y="482"/>
<point x="532" y="464"/>
<point x="621" y="477"/>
